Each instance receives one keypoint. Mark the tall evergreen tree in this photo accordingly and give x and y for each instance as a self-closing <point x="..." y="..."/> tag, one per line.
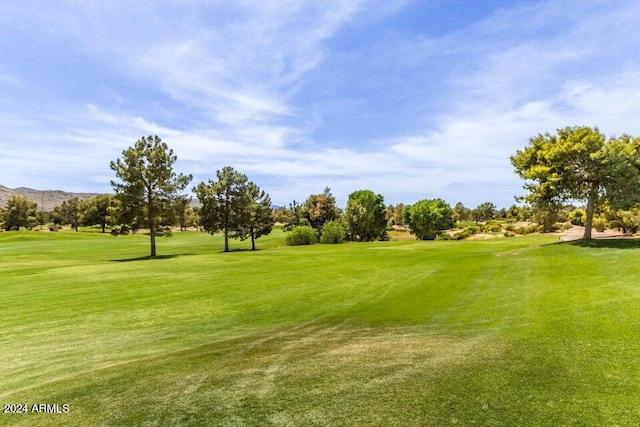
<point x="148" y="181"/>
<point x="69" y="212"/>
<point x="224" y="204"/>
<point x="96" y="211"/>
<point x="259" y="213"/>
<point x="19" y="212"/>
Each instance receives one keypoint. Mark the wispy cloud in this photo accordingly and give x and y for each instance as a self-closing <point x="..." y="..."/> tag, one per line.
<point x="298" y="96"/>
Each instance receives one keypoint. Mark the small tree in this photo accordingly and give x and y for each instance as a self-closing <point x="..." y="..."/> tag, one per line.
<point x="225" y="204"/>
<point x="148" y="181"/>
<point x="96" y="211"/>
<point x="294" y="216"/>
<point x="260" y="213"/>
<point x="364" y="217"/>
<point x="69" y="212"/>
<point x="461" y="213"/>
<point x="484" y="212"/>
<point x="183" y="212"/>
<point x="319" y="209"/>
<point x="428" y="218"/>
<point x="394" y="214"/>
<point x="19" y="212"/>
<point x="546" y="214"/>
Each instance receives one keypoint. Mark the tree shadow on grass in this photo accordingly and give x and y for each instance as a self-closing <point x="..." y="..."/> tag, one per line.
<point x="149" y="258"/>
<point x="624" y="243"/>
<point x="241" y="250"/>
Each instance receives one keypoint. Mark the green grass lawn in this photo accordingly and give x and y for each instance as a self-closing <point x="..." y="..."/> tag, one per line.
<point x="518" y="331"/>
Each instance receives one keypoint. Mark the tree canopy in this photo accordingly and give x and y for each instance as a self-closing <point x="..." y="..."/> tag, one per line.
<point x="69" y="212"/>
<point x="319" y="209"/>
<point x="259" y="217"/>
<point x="228" y="205"/>
<point x="19" y="212"/>
<point x="147" y="180"/>
<point x="365" y="216"/>
<point x="578" y="164"/>
<point x="483" y="212"/>
<point x="428" y="218"/>
<point x="96" y="211"/>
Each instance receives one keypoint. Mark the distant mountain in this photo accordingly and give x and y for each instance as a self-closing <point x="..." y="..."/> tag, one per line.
<point x="46" y="199"/>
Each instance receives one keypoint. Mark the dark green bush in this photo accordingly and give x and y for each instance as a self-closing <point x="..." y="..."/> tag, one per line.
<point x="302" y="235"/>
<point x="333" y="232"/>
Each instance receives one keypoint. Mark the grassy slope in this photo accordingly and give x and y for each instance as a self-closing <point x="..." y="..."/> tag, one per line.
<point x="511" y="332"/>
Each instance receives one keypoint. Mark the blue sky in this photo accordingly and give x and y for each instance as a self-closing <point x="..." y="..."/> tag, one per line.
<point x="411" y="99"/>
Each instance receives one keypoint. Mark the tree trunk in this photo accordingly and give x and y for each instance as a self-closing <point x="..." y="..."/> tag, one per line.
<point x="253" y="240"/>
<point x="152" y="226"/>
<point x="103" y="226"/>
<point x="226" y="241"/>
<point x="153" y="237"/>
<point x="588" y="223"/>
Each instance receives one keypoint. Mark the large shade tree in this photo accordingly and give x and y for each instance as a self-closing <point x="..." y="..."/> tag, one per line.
<point x="147" y="180"/>
<point x="577" y="164"/>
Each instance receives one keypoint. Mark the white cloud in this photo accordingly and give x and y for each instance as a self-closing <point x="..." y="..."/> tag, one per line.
<point x="235" y="84"/>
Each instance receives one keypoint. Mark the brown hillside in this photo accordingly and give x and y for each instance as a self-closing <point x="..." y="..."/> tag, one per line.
<point x="46" y="199"/>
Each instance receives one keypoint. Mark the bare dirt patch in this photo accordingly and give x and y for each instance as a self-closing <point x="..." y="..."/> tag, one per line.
<point x="577" y="233"/>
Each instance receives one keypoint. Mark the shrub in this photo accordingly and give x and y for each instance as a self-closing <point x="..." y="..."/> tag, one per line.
<point x="577" y="216"/>
<point x="461" y="235"/>
<point x="302" y="235"/>
<point x="444" y="236"/>
<point x="117" y="230"/>
<point x="493" y="227"/>
<point x="533" y="228"/>
<point x="333" y="232"/>
<point x="472" y="230"/>
<point x="509" y="234"/>
<point x="510" y="227"/>
<point x="600" y="224"/>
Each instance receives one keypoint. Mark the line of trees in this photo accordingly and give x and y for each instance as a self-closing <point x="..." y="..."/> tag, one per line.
<point x="578" y="164"/>
<point x="236" y="206"/>
<point x="148" y="194"/>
